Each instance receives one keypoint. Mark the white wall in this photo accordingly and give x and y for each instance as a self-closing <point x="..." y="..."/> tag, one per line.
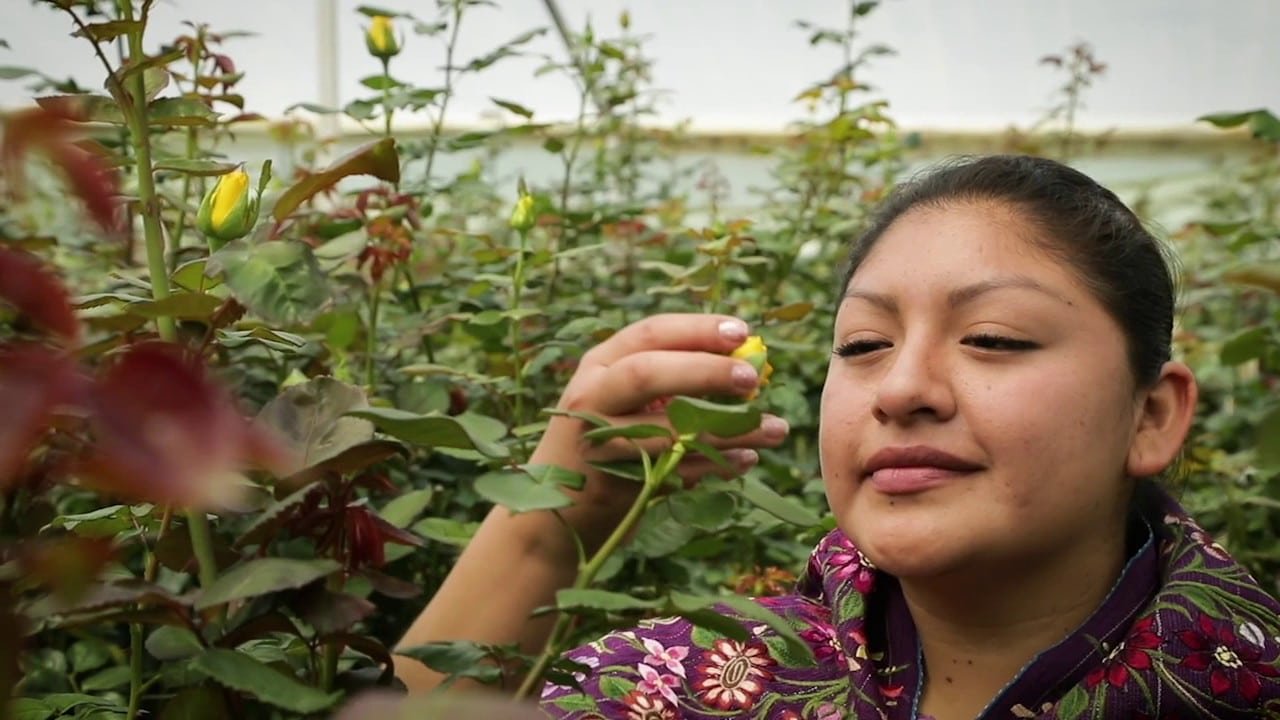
<point x="736" y="64"/>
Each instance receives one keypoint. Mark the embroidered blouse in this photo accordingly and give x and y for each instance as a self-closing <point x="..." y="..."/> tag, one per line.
<point x="1184" y="633"/>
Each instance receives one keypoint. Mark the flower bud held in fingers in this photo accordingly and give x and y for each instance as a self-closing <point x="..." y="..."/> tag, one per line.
<point x="380" y="38"/>
<point x="754" y="351"/>
<point x="229" y="210"/>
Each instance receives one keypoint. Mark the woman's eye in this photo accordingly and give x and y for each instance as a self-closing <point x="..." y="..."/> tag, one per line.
<point x="854" y="348"/>
<point x="998" y="342"/>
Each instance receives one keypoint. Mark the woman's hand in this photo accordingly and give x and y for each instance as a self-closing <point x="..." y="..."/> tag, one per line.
<point x="623" y="380"/>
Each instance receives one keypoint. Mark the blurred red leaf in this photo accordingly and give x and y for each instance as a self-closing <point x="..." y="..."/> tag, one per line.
<point x="38" y="294"/>
<point x="51" y="132"/>
<point x="34" y="381"/>
<point x="167" y="433"/>
<point x="67" y="566"/>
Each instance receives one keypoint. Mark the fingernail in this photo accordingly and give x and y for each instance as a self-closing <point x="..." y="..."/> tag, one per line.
<point x="744" y="458"/>
<point x="774" y="427"/>
<point x="735" y="330"/>
<point x="745" y="375"/>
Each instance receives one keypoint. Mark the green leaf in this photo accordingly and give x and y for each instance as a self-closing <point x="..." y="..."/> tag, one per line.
<point x="1265" y="275"/>
<point x="518" y="492"/>
<point x="703" y="508"/>
<point x="516" y="108"/>
<point x="196" y="167"/>
<point x="279" y="281"/>
<point x="704" y="637"/>
<point x="240" y="672"/>
<point x="87" y="655"/>
<point x="692" y="415"/>
<point x="29" y="709"/>
<point x="1269" y="440"/>
<point x="1261" y="122"/>
<point x="753" y="611"/>
<point x="785" y="509"/>
<point x="446" y="530"/>
<point x="109" y="679"/>
<point x="312" y="420"/>
<point x="403" y="510"/>
<point x="196" y="703"/>
<point x="379" y="159"/>
<point x="180" y="112"/>
<point x="182" y="305"/>
<point x="714" y="625"/>
<point x="471" y="432"/>
<point x="616" y="688"/>
<point x="577" y="703"/>
<point x="789" y="313"/>
<point x="168" y="642"/>
<point x="460" y="658"/>
<point x="84" y="108"/>
<point x="1245" y="346"/>
<point x="592" y="599"/>
<point x="262" y="576"/>
<point x="1073" y="704"/>
<point x="190" y="276"/>
<point x="107" y="31"/>
<point x="8" y="72"/>
<point x="633" y="432"/>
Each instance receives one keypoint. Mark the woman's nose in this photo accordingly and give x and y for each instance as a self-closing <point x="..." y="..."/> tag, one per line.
<point x="916" y="385"/>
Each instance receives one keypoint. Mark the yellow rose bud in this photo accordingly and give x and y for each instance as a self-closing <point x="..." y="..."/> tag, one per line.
<point x="229" y="209"/>
<point x="754" y="351"/>
<point x="523" y="216"/>
<point x="380" y="38"/>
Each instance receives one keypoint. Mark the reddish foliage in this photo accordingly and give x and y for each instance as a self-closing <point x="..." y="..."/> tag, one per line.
<point x="34" y="381"/>
<point x="37" y="294"/>
<point x="51" y="132"/>
<point x="165" y="432"/>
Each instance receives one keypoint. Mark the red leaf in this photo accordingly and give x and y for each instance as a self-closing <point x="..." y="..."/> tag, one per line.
<point x="38" y="294"/>
<point x="34" y="381"/>
<point x="166" y="432"/>
<point x="50" y="131"/>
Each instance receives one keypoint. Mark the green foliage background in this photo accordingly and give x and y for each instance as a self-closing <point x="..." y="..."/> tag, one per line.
<point x="409" y="338"/>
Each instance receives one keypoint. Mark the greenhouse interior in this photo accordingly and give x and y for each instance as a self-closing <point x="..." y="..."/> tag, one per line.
<point x="893" y="359"/>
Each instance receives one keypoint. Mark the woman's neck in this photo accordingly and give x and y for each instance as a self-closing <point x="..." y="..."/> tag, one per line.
<point x="979" y="630"/>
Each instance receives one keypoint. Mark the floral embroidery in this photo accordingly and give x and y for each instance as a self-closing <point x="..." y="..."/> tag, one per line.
<point x="660" y="656"/>
<point x="1131" y="654"/>
<point x="733" y="675"/>
<point x="652" y="683"/>
<point x="642" y="707"/>
<point x="1205" y="645"/>
<point x="1230" y="664"/>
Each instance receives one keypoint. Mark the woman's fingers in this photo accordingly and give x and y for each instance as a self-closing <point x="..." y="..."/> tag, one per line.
<point x="636" y="379"/>
<point x="672" y="331"/>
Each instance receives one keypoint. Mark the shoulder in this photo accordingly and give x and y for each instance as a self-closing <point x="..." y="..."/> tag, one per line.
<point x="1212" y="629"/>
<point x="670" y="667"/>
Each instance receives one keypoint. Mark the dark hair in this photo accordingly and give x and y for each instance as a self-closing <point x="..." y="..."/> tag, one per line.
<point x="1084" y="224"/>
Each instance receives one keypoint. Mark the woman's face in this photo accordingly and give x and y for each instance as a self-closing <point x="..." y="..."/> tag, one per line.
<point x="980" y="405"/>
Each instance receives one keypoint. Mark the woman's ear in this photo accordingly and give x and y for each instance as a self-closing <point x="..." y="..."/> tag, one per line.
<point x="1163" y="421"/>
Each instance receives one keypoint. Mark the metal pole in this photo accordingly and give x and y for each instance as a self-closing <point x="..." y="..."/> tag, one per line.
<point x="327" y="64"/>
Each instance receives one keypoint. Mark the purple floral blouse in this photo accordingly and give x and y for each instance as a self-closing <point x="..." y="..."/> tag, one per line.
<point x="1185" y="633"/>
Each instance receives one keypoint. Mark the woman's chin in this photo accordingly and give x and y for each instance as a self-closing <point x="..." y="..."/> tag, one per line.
<point x="907" y="547"/>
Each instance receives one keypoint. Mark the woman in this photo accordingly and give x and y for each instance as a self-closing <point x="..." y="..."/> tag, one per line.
<point x="999" y="396"/>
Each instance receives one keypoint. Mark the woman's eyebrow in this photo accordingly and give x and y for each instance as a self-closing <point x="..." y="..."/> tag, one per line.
<point x="962" y="295"/>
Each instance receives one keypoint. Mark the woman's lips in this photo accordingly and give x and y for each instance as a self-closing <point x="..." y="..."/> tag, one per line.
<point x="911" y="469"/>
<point x="908" y="480"/>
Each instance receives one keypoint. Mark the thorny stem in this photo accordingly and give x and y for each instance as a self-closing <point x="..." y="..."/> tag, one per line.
<point x="653" y="481"/>
<point x="329" y="670"/>
<point x="570" y="159"/>
<point x="517" y="286"/>
<point x="135" y="630"/>
<point x="371" y="341"/>
<point x="438" y="121"/>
